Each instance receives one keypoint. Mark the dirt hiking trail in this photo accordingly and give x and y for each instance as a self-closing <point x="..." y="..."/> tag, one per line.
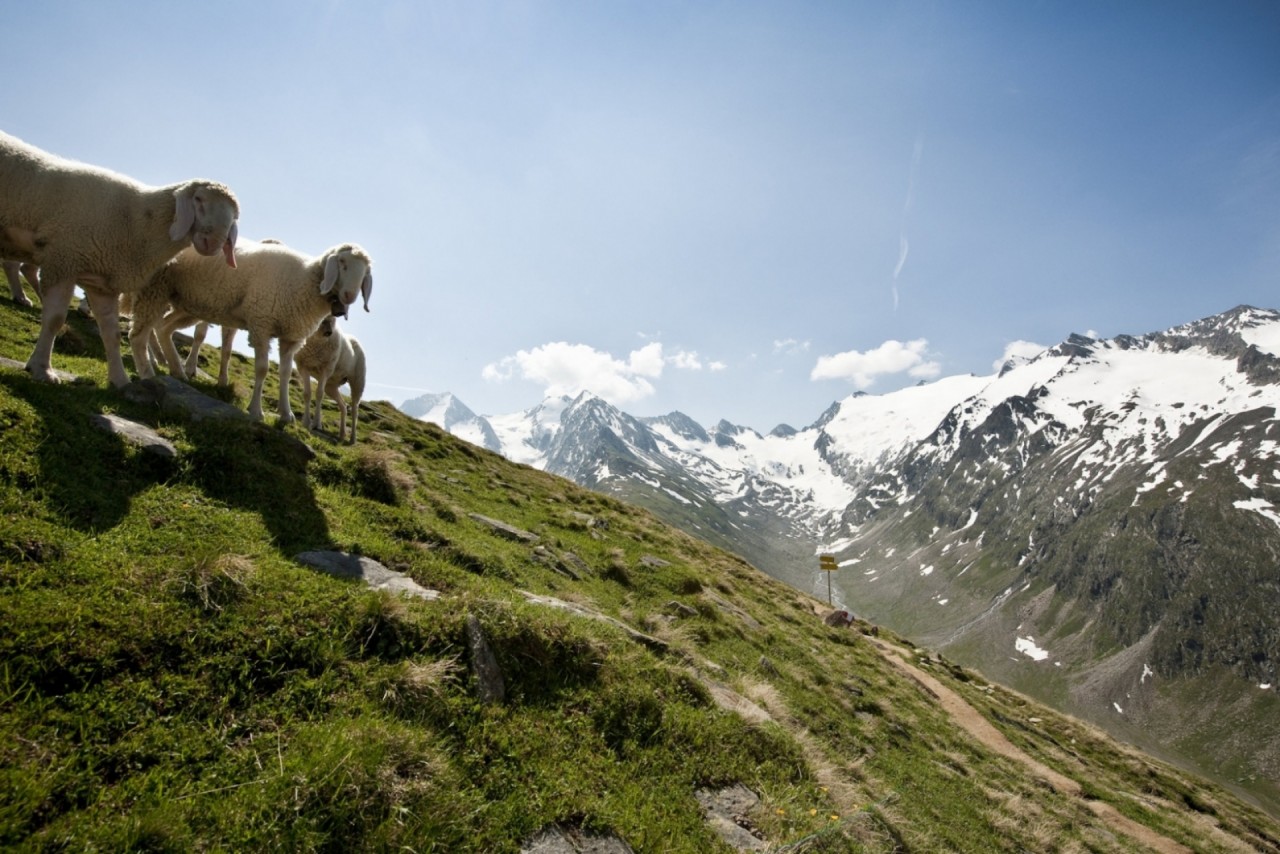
<point x="969" y="719"/>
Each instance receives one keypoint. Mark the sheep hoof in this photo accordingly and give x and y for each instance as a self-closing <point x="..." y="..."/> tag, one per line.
<point x="24" y="301"/>
<point x="43" y="375"/>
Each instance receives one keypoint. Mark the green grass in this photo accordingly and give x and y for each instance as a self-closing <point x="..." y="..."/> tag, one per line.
<point x="172" y="679"/>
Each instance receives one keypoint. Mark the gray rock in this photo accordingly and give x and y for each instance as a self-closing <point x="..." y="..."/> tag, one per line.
<point x="583" y="611"/>
<point x="177" y="399"/>
<point x="367" y="570"/>
<point x="554" y="839"/>
<point x="576" y="563"/>
<point x="502" y="529"/>
<point x="60" y="376"/>
<point x="135" y="433"/>
<point x="680" y="609"/>
<point x="490" y="686"/>
<point x="730" y="608"/>
<point x="838" y="619"/>
<point x="726" y="812"/>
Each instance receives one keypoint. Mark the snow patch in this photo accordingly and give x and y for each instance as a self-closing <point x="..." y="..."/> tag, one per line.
<point x="1260" y="506"/>
<point x="1027" y="646"/>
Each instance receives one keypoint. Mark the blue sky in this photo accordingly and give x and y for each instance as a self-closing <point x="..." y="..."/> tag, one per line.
<point x="739" y="210"/>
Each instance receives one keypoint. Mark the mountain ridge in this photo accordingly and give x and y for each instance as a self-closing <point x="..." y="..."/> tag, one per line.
<point x="1100" y="489"/>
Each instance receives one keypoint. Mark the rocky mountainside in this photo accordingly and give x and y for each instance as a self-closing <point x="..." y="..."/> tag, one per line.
<point x="1096" y="525"/>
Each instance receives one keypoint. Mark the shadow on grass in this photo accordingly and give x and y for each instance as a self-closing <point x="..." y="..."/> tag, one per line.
<point x="90" y="477"/>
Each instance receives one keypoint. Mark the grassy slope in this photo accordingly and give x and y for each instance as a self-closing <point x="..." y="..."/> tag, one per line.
<point x="173" y="680"/>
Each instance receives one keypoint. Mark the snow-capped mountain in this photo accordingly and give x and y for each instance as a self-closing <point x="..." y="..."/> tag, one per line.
<point x="454" y="416"/>
<point x="1098" y="525"/>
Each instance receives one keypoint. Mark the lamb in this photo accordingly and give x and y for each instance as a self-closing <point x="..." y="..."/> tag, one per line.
<point x="333" y="358"/>
<point x="90" y="226"/>
<point x="274" y="292"/>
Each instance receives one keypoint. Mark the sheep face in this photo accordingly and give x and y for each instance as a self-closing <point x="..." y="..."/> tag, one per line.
<point x="206" y="212"/>
<point x="347" y="274"/>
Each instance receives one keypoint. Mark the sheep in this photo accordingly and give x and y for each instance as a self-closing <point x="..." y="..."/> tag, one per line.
<point x="197" y="340"/>
<point x="90" y="226"/>
<point x="275" y="292"/>
<point x="334" y="358"/>
<point x="14" y="271"/>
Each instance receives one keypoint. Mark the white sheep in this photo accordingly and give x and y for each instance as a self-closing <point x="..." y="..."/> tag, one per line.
<point x="30" y="272"/>
<point x="334" y="359"/>
<point x="197" y="341"/>
<point x="274" y="292"/>
<point x="14" y="272"/>
<point x="102" y="230"/>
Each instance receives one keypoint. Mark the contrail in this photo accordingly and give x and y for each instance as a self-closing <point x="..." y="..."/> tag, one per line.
<point x="903" y="246"/>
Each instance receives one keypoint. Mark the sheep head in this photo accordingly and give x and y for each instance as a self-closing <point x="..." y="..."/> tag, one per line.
<point x="206" y="212"/>
<point x="347" y="273"/>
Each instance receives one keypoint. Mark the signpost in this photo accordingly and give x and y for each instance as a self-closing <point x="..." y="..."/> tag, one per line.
<point x="827" y="563"/>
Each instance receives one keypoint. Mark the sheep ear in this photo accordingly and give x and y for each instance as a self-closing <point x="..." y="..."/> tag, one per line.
<point x="229" y="246"/>
<point x="184" y="213"/>
<point x="366" y="288"/>
<point x="330" y="273"/>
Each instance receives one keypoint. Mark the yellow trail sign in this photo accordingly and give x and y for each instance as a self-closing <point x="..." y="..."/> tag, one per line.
<point x="827" y="563"/>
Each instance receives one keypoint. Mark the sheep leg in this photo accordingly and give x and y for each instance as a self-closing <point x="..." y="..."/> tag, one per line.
<point x="53" y="315"/>
<point x="355" y="383"/>
<point x="305" y="378"/>
<point x="228" y="338"/>
<point x="288" y="349"/>
<point x="197" y="341"/>
<point x="336" y="393"/>
<point x="171" y="322"/>
<point x="139" y="339"/>
<point x="12" y="273"/>
<point x="261" y="362"/>
<point x="322" y="383"/>
<point x="106" y="311"/>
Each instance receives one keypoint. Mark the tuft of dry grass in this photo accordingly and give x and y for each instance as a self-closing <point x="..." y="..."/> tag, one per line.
<point x="216" y="582"/>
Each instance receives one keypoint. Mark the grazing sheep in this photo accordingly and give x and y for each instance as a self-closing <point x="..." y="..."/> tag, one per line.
<point x="102" y="230"/>
<point x="13" y="271"/>
<point x="334" y="358"/>
<point x="274" y="292"/>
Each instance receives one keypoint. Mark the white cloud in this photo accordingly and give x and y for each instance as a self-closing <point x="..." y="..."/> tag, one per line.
<point x="716" y="367"/>
<point x="1018" y="349"/>
<point x="686" y="360"/>
<point x="892" y="357"/>
<point x="568" y="369"/>
<point x="790" y="346"/>
<point x="645" y="362"/>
